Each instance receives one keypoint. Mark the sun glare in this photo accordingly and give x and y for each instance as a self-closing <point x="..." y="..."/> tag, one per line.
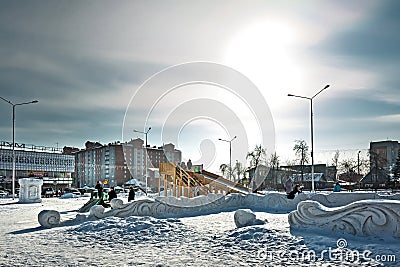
<point x="264" y="53"/>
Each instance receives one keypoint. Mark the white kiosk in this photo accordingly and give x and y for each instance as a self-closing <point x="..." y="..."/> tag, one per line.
<point x="30" y="190"/>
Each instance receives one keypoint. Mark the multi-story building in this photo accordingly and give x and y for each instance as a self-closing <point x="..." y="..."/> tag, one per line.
<point x="55" y="166"/>
<point x="116" y="163"/>
<point x="383" y="154"/>
<point x="99" y="162"/>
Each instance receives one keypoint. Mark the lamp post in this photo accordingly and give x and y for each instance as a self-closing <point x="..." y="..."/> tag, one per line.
<point x="230" y="154"/>
<point x="145" y="156"/>
<point x="13" y="138"/>
<point x="358" y="162"/>
<point x="312" y="132"/>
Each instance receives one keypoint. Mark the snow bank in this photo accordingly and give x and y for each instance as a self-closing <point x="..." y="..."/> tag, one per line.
<point x="69" y="195"/>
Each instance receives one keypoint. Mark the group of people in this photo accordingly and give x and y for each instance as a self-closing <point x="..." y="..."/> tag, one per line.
<point x="186" y="166"/>
<point x="112" y="194"/>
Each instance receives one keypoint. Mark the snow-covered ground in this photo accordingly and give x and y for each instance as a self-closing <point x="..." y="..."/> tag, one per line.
<point x="209" y="240"/>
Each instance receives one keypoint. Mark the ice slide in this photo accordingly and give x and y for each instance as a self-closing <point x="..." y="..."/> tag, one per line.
<point x="234" y="187"/>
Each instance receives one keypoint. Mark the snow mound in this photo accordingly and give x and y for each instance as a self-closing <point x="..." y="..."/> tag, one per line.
<point x="246" y="217"/>
<point x="131" y="229"/>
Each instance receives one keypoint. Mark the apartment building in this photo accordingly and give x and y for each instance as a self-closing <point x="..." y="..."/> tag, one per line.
<point x="116" y="163"/>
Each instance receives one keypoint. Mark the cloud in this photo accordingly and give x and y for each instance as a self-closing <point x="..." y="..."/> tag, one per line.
<point x="84" y="60"/>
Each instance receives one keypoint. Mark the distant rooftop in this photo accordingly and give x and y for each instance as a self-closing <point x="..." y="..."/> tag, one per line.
<point x="31" y="147"/>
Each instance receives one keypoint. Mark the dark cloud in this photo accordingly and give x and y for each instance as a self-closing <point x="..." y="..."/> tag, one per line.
<point x="74" y="56"/>
<point x="374" y="41"/>
<point x="70" y="82"/>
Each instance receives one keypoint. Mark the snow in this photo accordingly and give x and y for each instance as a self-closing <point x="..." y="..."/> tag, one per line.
<point x="207" y="240"/>
<point x="69" y="195"/>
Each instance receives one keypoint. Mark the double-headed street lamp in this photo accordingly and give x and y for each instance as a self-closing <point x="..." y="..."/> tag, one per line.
<point x="145" y="156"/>
<point x="312" y="132"/>
<point x="230" y="154"/>
<point x="13" y="138"/>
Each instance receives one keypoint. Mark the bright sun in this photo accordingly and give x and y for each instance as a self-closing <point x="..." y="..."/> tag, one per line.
<point x="264" y="53"/>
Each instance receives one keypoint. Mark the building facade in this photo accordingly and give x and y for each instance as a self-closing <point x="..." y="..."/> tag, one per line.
<point x="116" y="163"/>
<point x="383" y="154"/>
<point x="324" y="176"/>
<point x="55" y="166"/>
<point x="97" y="162"/>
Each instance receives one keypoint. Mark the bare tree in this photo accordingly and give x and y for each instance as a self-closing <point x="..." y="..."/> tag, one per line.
<point x="335" y="159"/>
<point x="239" y="170"/>
<point x="290" y="162"/>
<point x="377" y="161"/>
<point x="274" y="161"/>
<point x="347" y="165"/>
<point x="301" y="151"/>
<point x="257" y="156"/>
<point x="396" y="170"/>
<point x="274" y="164"/>
<point x="364" y="165"/>
<point x="225" y="169"/>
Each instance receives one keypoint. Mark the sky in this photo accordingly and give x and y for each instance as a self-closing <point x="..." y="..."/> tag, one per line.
<point x="101" y="69"/>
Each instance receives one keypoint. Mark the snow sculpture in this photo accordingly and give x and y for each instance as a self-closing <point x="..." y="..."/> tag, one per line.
<point x="166" y="207"/>
<point x="246" y="218"/>
<point x="375" y="218"/>
<point x="97" y="211"/>
<point x="30" y="190"/>
<point x="339" y="199"/>
<point x="116" y="203"/>
<point x="49" y="218"/>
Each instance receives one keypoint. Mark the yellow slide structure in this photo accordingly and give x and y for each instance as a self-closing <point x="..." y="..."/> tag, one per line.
<point x="190" y="184"/>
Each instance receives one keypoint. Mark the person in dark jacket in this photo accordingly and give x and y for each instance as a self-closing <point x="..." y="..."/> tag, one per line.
<point x="297" y="189"/>
<point x="99" y="188"/>
<point x="131" y="194"/>
<point x="112" y="194"/>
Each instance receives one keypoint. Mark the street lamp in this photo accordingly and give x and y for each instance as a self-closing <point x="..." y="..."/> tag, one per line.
<point x="145" y="157"/>
<point x="230" y="154"/>
<point x="312" y="132"/>
<point x="13" y="138"/>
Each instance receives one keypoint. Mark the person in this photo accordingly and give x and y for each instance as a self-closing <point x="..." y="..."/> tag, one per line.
<point x="112" y="194"/>
<point x="99" y="188"/>
<point x="183" y="165"/>
<point x="297" y="189"/>
<point x="131" y="194"/>
<point x="289" y="186"/>
<point x="189" y="165"/>
<point x="336" y="188"/>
